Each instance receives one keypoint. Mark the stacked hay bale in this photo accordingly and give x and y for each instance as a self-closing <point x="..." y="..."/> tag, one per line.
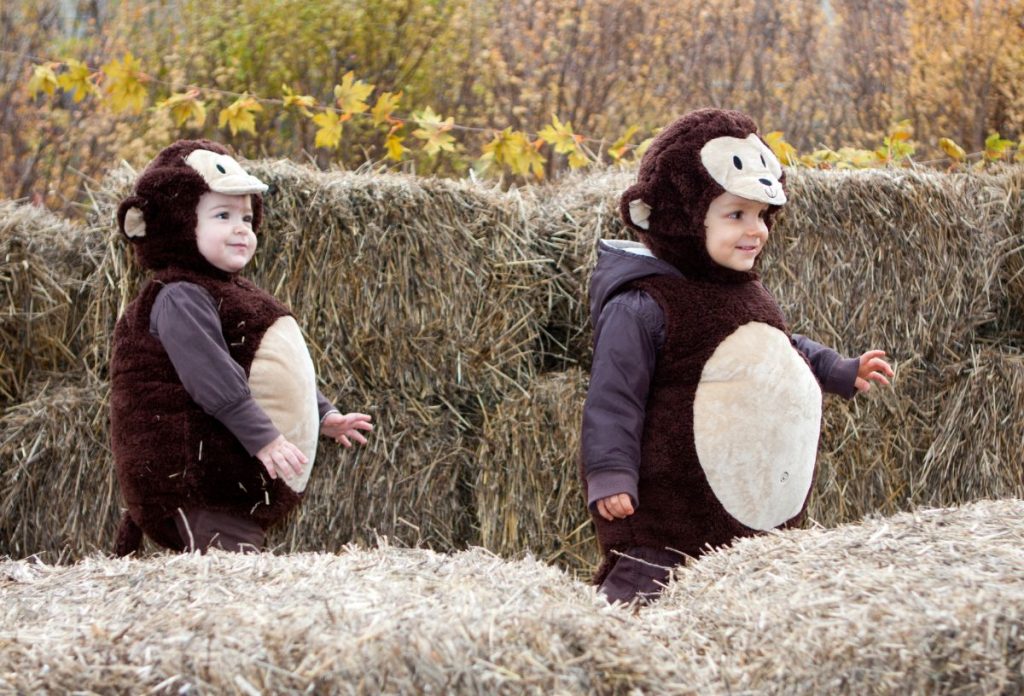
<point x="450" y="310"/>
<point x="58" y="495"/>
<point x="528" y="495"/>
<point x="45" y="263"/>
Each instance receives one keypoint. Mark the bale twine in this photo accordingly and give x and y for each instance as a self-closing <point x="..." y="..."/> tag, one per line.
<point x="928" y="602"/>
<point x="44" y="263"/>
<point x="528" y="494"/>
<point x="978" y="447"/>
<point x="59" y="493"/>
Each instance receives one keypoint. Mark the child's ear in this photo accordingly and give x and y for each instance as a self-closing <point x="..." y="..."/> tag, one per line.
<point x="130" y="219"/>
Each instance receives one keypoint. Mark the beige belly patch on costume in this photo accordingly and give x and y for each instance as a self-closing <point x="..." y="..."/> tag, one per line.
<point x="756" y="422"/>
<point x="283" y="383"/>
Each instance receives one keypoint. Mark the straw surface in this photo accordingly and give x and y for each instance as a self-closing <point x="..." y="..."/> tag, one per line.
<point x="929" y="602"/>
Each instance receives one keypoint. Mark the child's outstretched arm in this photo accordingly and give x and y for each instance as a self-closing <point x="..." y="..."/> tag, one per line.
<point x="345" y="428"/>
<point x="873" y="368"/>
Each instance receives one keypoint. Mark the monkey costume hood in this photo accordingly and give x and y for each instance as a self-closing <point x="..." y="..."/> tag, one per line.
<point x="170" y="453"/>
<point x="731" y="422"/>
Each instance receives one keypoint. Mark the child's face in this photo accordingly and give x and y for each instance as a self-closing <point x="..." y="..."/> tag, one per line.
<point x="735" y="231"/>
<point x="224" y="231"/>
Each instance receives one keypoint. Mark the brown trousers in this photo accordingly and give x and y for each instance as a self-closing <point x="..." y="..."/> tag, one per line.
<point x="204" y="529"/>
<point x="640" y="573"/>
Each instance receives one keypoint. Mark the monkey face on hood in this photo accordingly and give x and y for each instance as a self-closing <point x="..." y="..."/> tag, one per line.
<point x="159" y="218"/>
<point x="690" y="163"/>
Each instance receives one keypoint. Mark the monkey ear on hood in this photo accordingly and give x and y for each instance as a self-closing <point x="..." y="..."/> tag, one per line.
<point x="634" y="210"/>
<point x="130" y="220"/>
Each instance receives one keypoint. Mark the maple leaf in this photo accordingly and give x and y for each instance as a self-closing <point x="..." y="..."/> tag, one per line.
<point x="620" y="147"/>
<point x="561" y="136"/>
<point x="329" y="133"/>
<point x="434" y="131"/>
<point x="124" y="84"/>
<point x="76" y="80"/>
<point x="502" y="146"/>
<point x="394" y="146"/>
<point x="385" y="106"/>
<point x="786" y="153"/>
<point x="302" y="102"/>
<point x="185" y="107"/>
<point x="642" y="148"/>
<point x="240" y="115"/>
<point x="351" y="94"/>
<point x="527" y="157"/>
<point x="954" y="151"/>
<point x="43" y="80"/>
<point x="578" y="158"/>
<point x="996" y="147"/>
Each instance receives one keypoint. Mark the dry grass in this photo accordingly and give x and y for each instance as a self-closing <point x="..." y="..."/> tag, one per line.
<point x="929" y="602"/>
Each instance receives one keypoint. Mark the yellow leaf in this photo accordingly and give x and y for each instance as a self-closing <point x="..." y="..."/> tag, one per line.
<point x="502" y="146"/>
<point x="642" y="147"/>
<point x="955" y="152"/>
<point x="1019" y="157"/>
<point x="578" y="158"/>
<point x="240" y="115"/>
<point x="302" y="102"/>
<point x="329" y="133"/>
<point x="620" y="147"/>
<point x="394" y="146"/>
<point x="996" y="147"/>
<point x="43" y="80"/>
<point x="351" y="94"/>
<point x="185" y="107"/>
<point x="901" y="130"/>
<point x="124" y="84"/>
<point x="560" y="135"/>
<point x="786" y="153"/>
<point x="76" y="80"/>
<point x="434" y="131"/>
<point x="386" y="104"/>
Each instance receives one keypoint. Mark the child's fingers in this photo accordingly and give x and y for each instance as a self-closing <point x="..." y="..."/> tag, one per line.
<point x="357" y="436"/>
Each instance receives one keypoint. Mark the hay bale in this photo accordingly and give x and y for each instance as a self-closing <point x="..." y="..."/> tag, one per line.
<point x="569" y="218"/>
<point x="924" y="602"/>
<point x="59" y="493"/>
<point x="929" y="602"/>
<point x="528" y="494"/>
<point x="1010" y="221"/>
<point x="61" y="497"/>
<point x="408" y="484"/>
<point x="978" y="447"/>
<point x="44" y="263"/>
<point x="382" y="621"/>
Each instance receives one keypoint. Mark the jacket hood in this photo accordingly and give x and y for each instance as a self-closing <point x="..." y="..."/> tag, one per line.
<point x="620" y="262"/>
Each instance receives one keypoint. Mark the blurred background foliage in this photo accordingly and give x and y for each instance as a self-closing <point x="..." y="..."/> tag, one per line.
<point x="829" y="74"/>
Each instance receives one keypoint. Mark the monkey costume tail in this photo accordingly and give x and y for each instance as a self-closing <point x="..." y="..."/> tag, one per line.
<point x="129" y="536"/>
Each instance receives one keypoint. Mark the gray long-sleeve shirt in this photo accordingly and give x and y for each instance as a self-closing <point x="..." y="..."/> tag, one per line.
<point x="185" y="320"/>
<point x="629" y="331"/>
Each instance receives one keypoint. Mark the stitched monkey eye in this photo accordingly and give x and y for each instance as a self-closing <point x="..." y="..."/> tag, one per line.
<point x="737" y="162"/>
<point x="221" y="169"/>
<point x="763" y="162"/>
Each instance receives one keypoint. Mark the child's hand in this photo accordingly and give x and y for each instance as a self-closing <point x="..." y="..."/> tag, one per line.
<point x="344" y="429"/>
<point x="615" y="507"/>
<point x="872" y="368"/>
<point x="281" y="457"/>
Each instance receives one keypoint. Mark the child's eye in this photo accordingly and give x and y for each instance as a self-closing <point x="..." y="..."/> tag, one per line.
<point x="247" y="219"/>
<point x="735" y="215"/>
<point x="222" y="215"/>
